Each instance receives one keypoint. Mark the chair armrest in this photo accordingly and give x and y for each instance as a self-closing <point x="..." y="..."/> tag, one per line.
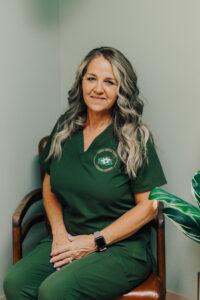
<point x="24" y="205"/>
<point x="19" y="231"/>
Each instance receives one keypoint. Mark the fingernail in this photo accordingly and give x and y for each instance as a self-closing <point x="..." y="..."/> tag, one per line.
<point x="51" y="260"/>
<point x="58" y="269"/>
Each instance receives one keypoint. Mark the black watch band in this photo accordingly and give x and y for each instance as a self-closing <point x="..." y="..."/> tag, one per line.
<point x="100" y="241"/>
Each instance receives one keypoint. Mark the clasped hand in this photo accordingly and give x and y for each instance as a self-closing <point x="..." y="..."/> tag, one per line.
<point x="74" y="247"/>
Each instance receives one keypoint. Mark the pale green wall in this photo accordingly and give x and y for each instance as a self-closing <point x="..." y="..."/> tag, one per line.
<point x="161" y="39"/>
<point x="29" y="101"/>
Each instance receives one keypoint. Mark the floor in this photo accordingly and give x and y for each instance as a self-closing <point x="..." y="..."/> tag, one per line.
<point x="173" y="296"/>
<point x="170" y="296"/>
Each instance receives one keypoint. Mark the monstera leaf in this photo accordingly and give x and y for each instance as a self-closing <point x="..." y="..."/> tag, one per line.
<point x="183" y="214"/>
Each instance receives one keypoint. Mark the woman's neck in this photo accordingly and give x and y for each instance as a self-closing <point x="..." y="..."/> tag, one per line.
<point x="98" y="120"/>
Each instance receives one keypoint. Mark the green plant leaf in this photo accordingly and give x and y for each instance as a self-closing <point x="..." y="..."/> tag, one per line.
<point x="173" y="201"/>
<point x="190" y="227"/>
<point x="183" y="214"/>
<point x="195" y="188"/>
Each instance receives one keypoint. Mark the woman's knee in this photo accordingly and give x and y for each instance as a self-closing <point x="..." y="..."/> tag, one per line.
<point x="17" y="284"/>
<point x="11" y="284"/>
<point x="58" y="287"/>
<point x="47" y="291"/>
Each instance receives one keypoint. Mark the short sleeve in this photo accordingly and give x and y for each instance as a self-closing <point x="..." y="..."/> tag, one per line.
<point x="42" y="159"/>
<point x="150" y="174"/>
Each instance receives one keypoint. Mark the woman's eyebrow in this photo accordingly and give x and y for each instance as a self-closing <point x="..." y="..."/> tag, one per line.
<point x="91" y="74"/>
<point x="111" y="78"/>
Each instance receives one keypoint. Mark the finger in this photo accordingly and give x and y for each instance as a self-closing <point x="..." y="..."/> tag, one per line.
<point x="62" y="256"/>
<point x="63" y="262"/>
<point x="59" y="250"/>
<point x="58" y="257"/>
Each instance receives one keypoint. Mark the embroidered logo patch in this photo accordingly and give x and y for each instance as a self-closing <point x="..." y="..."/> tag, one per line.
<point x="105" y="159"/>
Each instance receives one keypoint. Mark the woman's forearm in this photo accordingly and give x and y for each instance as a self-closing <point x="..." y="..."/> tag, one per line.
<point x="53" y="208"/>
<point x="130" y="222"/>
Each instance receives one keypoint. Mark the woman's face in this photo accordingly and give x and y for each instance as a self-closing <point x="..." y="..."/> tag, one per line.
<point x="99" y="85"/>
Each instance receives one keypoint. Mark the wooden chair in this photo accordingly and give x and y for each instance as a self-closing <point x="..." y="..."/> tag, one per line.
<point x="154" y="287"/>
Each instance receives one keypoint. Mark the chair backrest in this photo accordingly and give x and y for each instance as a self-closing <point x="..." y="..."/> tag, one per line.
<point x="41" y="147"/>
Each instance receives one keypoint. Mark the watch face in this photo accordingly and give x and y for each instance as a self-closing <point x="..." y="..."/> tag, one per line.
<point x="100" y="242"/>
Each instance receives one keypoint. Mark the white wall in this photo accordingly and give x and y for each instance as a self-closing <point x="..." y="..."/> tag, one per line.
<point x="29" y="101"/>
<point x="161" y="39"/>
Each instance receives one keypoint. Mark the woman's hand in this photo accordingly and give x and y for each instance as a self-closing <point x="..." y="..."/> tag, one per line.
<point x="59" y="241"/>
<point x="77" y="247"/>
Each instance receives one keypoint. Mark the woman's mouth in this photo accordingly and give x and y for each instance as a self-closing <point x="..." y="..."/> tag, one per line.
<point x="98" y="98"/>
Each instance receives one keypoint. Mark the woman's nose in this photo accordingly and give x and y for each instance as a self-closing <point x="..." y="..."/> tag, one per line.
<point x="99" y="87"/>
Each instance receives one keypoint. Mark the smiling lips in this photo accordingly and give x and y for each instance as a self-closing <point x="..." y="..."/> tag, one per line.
<point x="98" y="98"/>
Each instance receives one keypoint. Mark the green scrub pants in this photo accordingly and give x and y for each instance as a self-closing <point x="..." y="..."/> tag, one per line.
<point x="100" y="275"/>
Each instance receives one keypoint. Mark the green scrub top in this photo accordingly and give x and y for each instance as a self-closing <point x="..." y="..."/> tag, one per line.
<point x="93" y="188"/>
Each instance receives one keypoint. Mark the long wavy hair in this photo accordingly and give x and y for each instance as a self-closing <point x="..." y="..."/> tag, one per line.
<point x="131" y="133"/>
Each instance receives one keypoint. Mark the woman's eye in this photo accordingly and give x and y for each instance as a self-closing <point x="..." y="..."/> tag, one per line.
<point x="109" y="82"/>
<point x="90" y="78"/>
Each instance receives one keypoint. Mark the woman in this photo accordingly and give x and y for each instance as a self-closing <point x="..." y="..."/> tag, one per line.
<point x="100" y="166"/>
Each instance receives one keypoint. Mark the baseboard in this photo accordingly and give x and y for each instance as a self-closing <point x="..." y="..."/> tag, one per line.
<point x="174" y="296"/>
<point x="170" y="296"/>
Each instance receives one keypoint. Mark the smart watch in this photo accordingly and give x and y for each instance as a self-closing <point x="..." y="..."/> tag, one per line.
<point x="100" y="241"/>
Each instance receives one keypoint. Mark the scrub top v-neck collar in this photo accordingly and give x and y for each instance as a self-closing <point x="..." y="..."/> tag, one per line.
<point x="96" y="140"/>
